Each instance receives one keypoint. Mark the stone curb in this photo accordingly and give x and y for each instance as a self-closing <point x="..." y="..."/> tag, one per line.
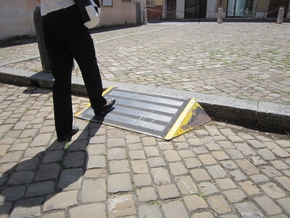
<point x="264" y="116"/>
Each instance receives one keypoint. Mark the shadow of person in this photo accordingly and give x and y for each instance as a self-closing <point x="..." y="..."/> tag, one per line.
<point x="49" y="180"/>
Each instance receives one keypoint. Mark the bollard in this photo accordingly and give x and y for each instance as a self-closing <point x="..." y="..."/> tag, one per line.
<point x="145" y="16"/>
<point x="280" y="15"/>
<point x="220" y="15"/>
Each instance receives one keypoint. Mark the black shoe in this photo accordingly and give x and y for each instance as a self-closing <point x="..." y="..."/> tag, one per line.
<point x="110" y="103"/>
<point x="74" y="130"/>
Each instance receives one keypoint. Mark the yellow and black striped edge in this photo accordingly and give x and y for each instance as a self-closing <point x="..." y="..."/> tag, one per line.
<point x="155" y="115"/>
<point x="89" y="104"/>
<point x="182" y="120"/>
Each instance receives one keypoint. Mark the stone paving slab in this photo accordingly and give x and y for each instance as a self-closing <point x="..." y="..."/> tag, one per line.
<point x="217" y="170"/>
<point x="261" y="115"/>
<point x="233" y="72"/>
<point x="240" y="60"/>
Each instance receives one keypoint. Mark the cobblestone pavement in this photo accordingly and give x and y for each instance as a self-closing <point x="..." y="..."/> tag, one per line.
<point x="217" y="170"/>
<point x="240" y="60"/>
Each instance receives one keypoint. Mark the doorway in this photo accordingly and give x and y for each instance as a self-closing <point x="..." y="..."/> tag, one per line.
<point x="274" y="6"/>
<point x="171" y="9"/>
<point x="195" y="9"/>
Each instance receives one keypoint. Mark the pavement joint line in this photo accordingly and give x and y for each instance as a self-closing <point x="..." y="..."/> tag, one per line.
<point x="19" y="60"/>
<point x="264" y="115"/>
<point x="135" y="34"/>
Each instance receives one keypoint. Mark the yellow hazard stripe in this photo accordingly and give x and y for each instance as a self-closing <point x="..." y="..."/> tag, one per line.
<point x="183" y="118"/>
<point x="89" y="104"/>
<point x="108" y="90"/>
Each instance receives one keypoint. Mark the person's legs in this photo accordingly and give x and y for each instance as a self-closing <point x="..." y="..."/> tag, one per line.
<point x="67" y="37"/>
<point x="61" y="62"/>
<point x="79" y="42"/>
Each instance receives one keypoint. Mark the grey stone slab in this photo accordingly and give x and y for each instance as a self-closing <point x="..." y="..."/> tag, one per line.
<point x="93" y="191"/>
<point x="47" y="172"/>
<point x="151" y="151"/>
<point x="89" y="210"/>
<point x="174" y="209"/>
<point x="216" y="171"/>
<point x="177" y="169"/>
<point x="74" y="159"/>
<point x="208" y="188"/>
<point x="229" y="164"/>
<point x="3" y="179"/>
<point x="40" y="188"/>
<point x="142" y="179"/>
<point x="218" y="204"/>
<point x="149" y="211"/>
<point x="61" y="200"/>
<point x="285" y="202"/>
<point x="96" y="161"/>
<point x="12" y="193"/>
<point x="200" y="175"/>
<point x="171" y="155"/>
<point x="119" y="183"/>
<point x="52" y="156"/>
<point x="146" y="194"/>
<point x="284" y="181"/>
<point x="121" y="166"/>
<point x="121" y="206"/>
<point x="5" y="208"/>
<point x="139" y="166"/>
<point x="270" y="171"/>
<point x="21" y="177"/>
<point x="260" y="178"/>
<point x="204" y="215"/>
<point x="27" y="208"/>
<point x="235" y="195"/>
<point x="168" y="191"/>
<point x="194" y="202"/>
<point x="238" y="175"/>
<point x="186" y="185"/>
<point x="70" y="179"/>
<point x="136" y="154"/>
<point x="15" y="76"/>
<point x="54" y="215"/>
<point x="266" y="154"/>
<point x="156" y="162"/>
<point x="268" y="205"/>
<point x="248" y="210"/>
<point x="272" y="190"/>
<point x="116" y="154"/>
<point x="13" y="156"/>
<point x="29" y="164"/>
<point x="225" y="184"/>
<point x="161" y="176"/>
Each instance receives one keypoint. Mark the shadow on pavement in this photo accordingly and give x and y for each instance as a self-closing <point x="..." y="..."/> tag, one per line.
<point x="55" y="173"/>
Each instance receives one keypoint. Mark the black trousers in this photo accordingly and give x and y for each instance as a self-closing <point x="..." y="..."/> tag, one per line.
<point x="65" y="38"/>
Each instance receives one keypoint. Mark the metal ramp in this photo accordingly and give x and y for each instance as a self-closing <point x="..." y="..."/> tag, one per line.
<point x="160" y="116"/>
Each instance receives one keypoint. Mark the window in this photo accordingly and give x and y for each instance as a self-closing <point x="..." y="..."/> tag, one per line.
<point x="150" y="3"/>
<point x="241" y="8"/>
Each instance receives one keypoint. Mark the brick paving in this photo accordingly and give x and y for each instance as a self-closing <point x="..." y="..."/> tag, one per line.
<point x="218" y="170"/>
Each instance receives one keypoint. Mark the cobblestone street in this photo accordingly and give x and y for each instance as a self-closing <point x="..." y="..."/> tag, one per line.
<point x="217" y="170"/>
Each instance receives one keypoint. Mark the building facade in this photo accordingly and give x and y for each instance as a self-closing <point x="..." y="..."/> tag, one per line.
<point x="17" y="16"/>
<point x="184" y="9"/>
